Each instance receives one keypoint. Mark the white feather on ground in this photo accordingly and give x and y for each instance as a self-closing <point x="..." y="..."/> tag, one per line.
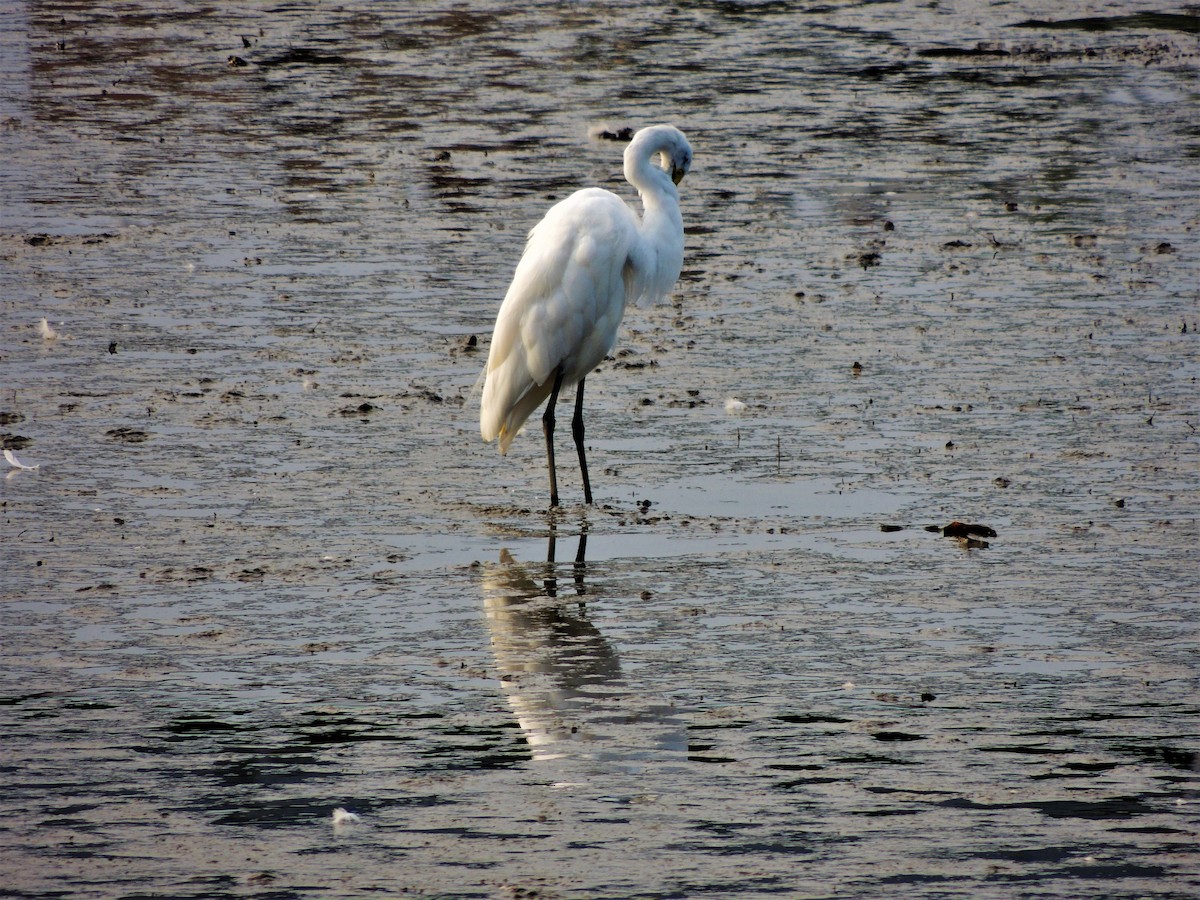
<point x="17" y="464"/>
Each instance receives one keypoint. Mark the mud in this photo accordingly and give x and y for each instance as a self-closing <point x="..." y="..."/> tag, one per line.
<point x="943" y="259"/>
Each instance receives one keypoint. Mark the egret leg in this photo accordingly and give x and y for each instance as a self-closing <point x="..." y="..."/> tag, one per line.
<point x="550" y="584"/>
<point x="581" y="563"/>
<point x="577" y="433"/>
<point x="548" y="430"/>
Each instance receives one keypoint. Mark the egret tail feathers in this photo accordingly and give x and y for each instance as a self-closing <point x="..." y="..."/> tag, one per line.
<point x="506" y="405"/>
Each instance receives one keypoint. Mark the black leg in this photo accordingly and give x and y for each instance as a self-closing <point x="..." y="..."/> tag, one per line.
<point x="581" y="562"/>
<point x="548" y="430"/>
<point x="550" y="584"/>
<point x="577" y="433"/>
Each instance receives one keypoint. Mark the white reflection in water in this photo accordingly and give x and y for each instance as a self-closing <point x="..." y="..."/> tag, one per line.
<point x="562" y="676"/>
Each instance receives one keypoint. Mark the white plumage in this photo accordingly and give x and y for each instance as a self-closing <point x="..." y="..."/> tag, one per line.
<point x="583" y="262"/>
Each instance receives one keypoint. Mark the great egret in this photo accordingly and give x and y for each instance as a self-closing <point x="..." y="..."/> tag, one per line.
<point x="582" y="263"/>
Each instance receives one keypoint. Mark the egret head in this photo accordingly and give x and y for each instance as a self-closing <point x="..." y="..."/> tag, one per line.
<point x="665" y="147"/>
<point x="678" y="161"/>
<point x="676" y="152"/>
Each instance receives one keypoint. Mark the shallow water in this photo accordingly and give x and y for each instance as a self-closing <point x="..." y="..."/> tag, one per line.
<point x="267" y="569"/>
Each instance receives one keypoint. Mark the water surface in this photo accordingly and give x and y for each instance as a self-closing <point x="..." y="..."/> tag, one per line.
<point x="267" y="569"/>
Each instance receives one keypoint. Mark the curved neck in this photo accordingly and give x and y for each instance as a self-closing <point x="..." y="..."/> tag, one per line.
<point x="653" y="184"/>
<point x="661" y="227"/>
<point x="660" y="198"/>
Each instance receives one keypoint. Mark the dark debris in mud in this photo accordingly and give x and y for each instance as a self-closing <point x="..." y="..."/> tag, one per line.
<point x="967" y="534"/>
<point x="963" y="529"/>
<point x="623" y="134"/>
<point x="128" y="435"/>
<point x="363" y="409"/>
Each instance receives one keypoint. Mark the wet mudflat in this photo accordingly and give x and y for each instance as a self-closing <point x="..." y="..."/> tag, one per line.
<point x="944" y="257"/>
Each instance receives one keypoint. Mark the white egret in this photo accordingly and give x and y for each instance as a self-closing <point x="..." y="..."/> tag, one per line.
<point x="582" y="263"/>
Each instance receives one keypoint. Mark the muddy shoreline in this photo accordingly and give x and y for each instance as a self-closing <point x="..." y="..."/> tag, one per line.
<point x="943" y="261"/>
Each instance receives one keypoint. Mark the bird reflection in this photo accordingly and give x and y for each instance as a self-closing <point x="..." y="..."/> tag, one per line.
<point x="561" y="676"/>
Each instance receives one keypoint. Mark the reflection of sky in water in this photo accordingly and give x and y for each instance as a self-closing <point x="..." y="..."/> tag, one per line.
<point x="724" y="495"/>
